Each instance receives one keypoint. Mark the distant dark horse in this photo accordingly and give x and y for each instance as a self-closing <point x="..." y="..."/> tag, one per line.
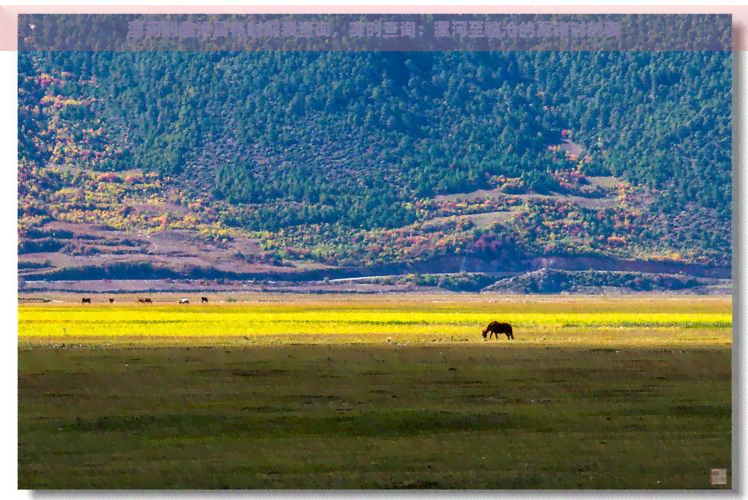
<point x="86" y="300"/>
<point x="111" y="301"/>
<point x="204" y="300"/>
<point x="495" y="328"/>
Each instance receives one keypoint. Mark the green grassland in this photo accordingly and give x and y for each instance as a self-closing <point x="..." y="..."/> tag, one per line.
<point x="386" y="392"/>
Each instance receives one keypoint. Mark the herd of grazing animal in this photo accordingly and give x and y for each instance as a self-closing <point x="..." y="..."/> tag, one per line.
<point x="146" y="300"/>
<point x="494" y="328"/>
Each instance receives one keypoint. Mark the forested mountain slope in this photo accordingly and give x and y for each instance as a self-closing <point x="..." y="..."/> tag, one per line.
<point x="349" y="158"/>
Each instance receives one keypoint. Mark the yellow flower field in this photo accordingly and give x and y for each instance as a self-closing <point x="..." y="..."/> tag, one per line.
<point x="593" y="321"/>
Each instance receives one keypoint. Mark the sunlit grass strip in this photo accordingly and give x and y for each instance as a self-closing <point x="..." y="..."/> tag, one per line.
<point x="168" y="321"/>
<point x="575" y="339"/>
<point x="174" y="315"/>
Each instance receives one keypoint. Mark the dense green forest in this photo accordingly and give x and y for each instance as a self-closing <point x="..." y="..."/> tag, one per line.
<point x="353" y="143"/>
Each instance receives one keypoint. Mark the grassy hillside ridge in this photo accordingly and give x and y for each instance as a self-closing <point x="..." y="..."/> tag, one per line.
<point x="545" y="281"/>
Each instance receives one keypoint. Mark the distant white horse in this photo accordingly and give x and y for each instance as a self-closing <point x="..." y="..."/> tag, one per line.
<point x="184" y="301"/>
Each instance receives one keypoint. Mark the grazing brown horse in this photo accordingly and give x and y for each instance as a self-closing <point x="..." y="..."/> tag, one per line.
<point x="86" y="300"/>
<point x="495" y="328"/>
<point x="141" y="300"/>
<point x="147" y="300"/>
<point x="204" y="300"/>
<point x="111" y="301"/>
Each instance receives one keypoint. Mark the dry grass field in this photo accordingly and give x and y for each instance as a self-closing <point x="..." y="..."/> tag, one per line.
<point x="374" y="392"/>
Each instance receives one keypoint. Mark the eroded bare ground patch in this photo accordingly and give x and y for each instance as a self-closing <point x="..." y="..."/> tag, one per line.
<point x="315" y="416"/>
